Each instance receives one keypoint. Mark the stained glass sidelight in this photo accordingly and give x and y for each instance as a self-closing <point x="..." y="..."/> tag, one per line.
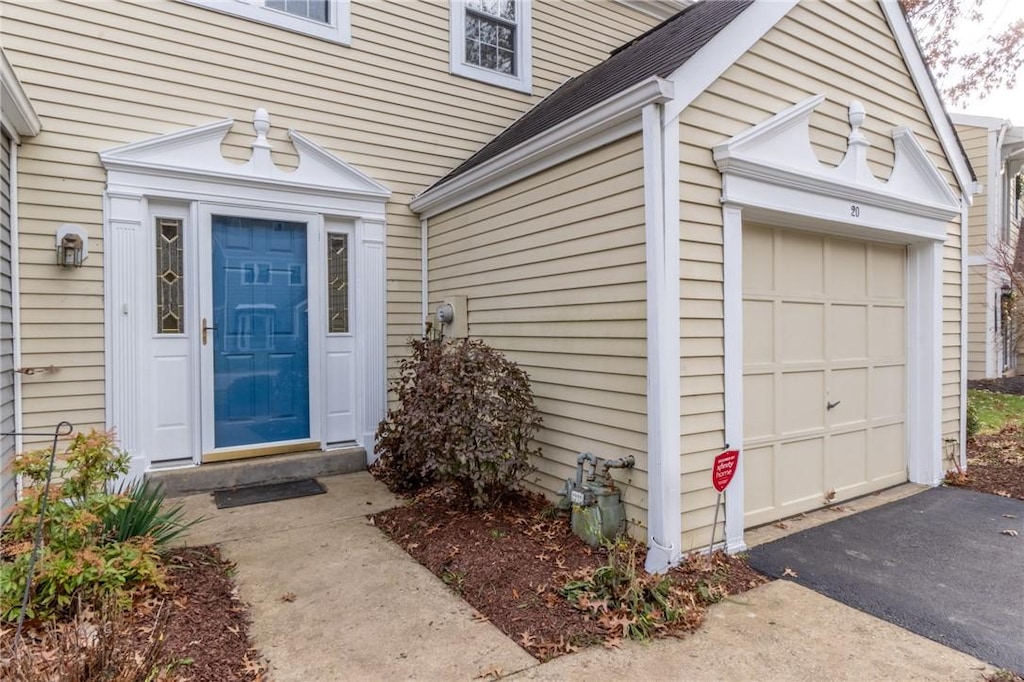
<point x="170" y="280"/>
<point x="337" y="283"/>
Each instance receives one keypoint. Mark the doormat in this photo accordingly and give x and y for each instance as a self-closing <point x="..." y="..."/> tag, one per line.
<point x="271" y="492"/>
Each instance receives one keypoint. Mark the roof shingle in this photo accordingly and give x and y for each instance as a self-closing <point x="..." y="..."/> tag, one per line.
<point x="658" y="52"/>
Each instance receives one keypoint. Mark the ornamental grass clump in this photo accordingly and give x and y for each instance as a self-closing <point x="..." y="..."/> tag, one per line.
<point x="89" y="552"/>
<point x="465" y="418"/>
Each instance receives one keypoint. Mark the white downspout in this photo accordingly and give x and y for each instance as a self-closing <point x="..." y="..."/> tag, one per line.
<point x="19" y="418"/>
<point x="425" y="300"/>
<point x="965" y="207"/>
<point x="664" y="523"/>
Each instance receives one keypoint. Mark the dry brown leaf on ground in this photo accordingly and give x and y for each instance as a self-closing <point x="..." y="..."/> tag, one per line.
<point x="288" y="597"/>
<point x="491" y="673"/>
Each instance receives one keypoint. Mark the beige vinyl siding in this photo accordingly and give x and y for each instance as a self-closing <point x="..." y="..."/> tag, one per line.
<point x="976" y="141"/>
<point x="103" y="74"/>
<point x="845" y="51"/>
<point x="554" y="272"/>
<point x="7" y="483"/>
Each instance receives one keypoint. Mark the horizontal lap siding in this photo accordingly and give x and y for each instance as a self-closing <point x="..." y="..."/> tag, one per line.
<point x="842" y="50"/>
<point x="554" y="270"/>
<point x="976" y="140"/>
<point x="108" y="73"/>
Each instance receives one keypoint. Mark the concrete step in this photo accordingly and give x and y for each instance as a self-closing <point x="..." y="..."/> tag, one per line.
<point x="259" y="470"/>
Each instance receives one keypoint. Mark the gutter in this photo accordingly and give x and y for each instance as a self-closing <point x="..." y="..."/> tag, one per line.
<point x="606" y="122"/>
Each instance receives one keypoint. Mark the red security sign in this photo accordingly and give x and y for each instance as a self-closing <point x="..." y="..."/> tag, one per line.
<point x="724" y="469"/>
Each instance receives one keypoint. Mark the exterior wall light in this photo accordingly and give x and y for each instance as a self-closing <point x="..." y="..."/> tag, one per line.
<point x="72" y="245"/>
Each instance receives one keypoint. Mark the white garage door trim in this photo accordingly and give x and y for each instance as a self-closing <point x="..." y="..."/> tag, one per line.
<point x="770" y="174"/>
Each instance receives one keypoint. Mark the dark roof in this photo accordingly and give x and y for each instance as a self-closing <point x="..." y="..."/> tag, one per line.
<point x="658" y="52"/>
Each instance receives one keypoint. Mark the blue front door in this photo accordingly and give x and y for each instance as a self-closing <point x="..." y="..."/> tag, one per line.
<point x="260" y="335"/>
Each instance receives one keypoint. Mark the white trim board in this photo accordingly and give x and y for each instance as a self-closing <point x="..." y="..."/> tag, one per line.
<point x="19" y="117"/>
<point x="183" y="175"/>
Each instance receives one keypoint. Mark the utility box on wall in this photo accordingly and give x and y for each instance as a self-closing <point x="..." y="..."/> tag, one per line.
<point x="453" y="317"/>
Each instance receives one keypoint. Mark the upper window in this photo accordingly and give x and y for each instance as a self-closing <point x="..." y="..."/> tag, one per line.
<point x="327" y="19"/>
<point x="490" y="42"/>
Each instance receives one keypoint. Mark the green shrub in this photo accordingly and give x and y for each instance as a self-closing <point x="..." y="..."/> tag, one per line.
<point x="78" y="558"/>
<point x="144" y="514"/>
<point x="465" y="418"/>
<point x="973" y="423"/>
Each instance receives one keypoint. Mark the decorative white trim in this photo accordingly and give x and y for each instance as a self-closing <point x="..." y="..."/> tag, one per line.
<point x="192" y="157"/>
<point x="659" y="9"/>
<point x="771" y="174"/>
<point x="611" y="120"/>
<point x="337" y="30"/>
<point x="933" y="105"/>
<point x="522" y="80"/>
<point x="732" y="332"/>
<point x="18" y="115"/>
<point x="702" y="69"/>
<point x="186" y="169"/>
<point x="772" y="166"/>
<point x="664" y="529"/>
<point x="924" y="362"/>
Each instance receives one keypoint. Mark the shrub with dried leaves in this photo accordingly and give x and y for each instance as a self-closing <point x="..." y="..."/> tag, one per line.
<point x="465" y="418"/>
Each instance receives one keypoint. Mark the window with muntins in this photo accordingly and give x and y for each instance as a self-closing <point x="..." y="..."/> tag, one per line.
<point x="327" y="19"/>
<point x="490" y="42"/>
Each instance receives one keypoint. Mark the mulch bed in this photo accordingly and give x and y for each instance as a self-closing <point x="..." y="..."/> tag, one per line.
<point x="510" y="563"/>
<point x="1013" y="385"/>
<point x="204" y="626"/>
<point x="995" y="463"/>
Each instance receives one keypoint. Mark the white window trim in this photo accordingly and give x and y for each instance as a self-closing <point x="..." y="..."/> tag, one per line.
<point x="337" y="30"/>
<point x="523" y="80"/>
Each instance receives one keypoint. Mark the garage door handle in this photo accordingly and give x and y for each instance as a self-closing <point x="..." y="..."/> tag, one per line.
<point x="829" y="406"/>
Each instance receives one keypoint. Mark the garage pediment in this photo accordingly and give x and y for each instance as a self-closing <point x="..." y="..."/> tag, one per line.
<point x="772" y="166"/>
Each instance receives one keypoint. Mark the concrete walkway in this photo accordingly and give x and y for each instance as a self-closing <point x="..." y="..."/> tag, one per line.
<point x="364" y="610"/>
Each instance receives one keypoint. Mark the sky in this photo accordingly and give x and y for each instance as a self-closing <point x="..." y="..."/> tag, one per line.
<point x="1000" y="103"/>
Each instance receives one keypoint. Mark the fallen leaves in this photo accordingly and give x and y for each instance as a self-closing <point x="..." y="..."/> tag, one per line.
<point x="829" y="496"/>
<point x="1012" y="533"/>
<point x="789" y="572"/>
<point x="490" y="674"/>
<point x="288" y="597"/>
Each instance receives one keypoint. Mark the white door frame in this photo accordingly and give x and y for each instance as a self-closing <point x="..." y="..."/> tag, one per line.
<point x="186" y="169"/>
<point x="770" y="175"/>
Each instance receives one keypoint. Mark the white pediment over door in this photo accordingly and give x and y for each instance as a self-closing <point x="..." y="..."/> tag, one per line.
<point x="772" y="166"/>
<point x="195" y="153"/>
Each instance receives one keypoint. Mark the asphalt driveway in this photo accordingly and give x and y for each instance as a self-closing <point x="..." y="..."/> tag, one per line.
<point x="937" y="564"/>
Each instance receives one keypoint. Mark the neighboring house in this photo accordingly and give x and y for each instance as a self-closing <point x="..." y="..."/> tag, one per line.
<point x="18" y="120"/>
<point x="742" y="228"/>
<point x="995" y="148"/>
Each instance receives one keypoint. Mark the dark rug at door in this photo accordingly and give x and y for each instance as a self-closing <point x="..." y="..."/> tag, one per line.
<point x="272" y="492"/>
<point x="936" y="563"/>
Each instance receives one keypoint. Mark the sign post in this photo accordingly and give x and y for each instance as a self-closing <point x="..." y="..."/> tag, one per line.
<point x="722" y="472"/>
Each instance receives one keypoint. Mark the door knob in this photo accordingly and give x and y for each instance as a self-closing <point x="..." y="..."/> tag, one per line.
<point x="829" y="406"/>
<point x="207" y="328"/>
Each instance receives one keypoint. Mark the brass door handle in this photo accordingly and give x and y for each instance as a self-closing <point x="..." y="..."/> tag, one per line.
<point x="207" y="328"/>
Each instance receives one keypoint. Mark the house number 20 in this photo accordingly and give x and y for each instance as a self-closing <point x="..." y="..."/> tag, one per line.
<point x="855" y="210"/>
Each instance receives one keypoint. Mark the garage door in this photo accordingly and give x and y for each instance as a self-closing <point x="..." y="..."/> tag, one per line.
<point x="824" y="324"/>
